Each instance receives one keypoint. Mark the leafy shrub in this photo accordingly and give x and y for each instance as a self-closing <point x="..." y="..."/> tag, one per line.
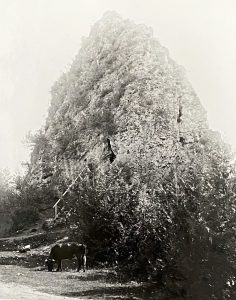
<point x="24" y="217"/>
<point x="178" y="230"/>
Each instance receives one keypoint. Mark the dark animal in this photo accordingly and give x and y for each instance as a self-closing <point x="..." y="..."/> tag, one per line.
<point x="67" y="251"/>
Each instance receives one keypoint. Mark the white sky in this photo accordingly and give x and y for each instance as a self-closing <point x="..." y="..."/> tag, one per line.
<point x="39" y="39"/>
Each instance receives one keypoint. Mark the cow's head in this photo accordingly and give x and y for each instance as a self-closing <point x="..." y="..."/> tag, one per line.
<point x="49" y="263"/>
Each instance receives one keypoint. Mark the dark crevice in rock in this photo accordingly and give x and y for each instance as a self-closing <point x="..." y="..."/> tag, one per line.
<point x="182" y="140"/>
<point x="47" y="175"/>
<point x="111" y="154"/>
<point x="180" y="114"/>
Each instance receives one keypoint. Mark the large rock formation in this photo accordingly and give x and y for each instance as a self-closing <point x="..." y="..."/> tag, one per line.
<point x="123" y="101"/>
<point x="155" y="185"/>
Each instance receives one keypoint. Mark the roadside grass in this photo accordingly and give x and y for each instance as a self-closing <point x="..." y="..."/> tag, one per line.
<point x="28" y="269"/>
<point x="92" y="284"/>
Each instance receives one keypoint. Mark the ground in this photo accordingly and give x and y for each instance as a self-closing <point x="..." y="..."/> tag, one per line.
<point x="19" y="282"/>
<point x="67" y="283"/>
<point x="18" y="292"/>
<point x="24" y="275"/>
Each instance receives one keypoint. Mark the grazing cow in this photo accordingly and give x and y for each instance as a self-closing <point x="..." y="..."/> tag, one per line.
<point x="67" y="251"/>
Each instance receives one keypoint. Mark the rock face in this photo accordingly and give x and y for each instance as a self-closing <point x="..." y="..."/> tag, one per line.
<point x="123" y="101"/>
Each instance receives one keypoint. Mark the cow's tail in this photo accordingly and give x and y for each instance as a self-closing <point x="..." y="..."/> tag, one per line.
<point x="85" y="258"/>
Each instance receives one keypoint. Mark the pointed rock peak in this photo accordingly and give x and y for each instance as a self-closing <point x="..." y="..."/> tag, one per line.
<point x="108" y="22"/>
<point x="111" y="15"/>
<point x="112" y="18"/>
<point x="122" y="85"/>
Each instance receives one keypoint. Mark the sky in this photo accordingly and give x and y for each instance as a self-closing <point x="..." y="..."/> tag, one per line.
<point x="40" y="38"/>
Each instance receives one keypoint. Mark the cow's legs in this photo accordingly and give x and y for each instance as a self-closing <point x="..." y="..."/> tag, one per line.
<point x="78" y="263"/>
<point x="81" y="261"/>
<point x="59" y="265"/>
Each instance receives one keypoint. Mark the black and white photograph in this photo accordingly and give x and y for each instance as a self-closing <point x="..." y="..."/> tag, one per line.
<point x="117" y="149"/>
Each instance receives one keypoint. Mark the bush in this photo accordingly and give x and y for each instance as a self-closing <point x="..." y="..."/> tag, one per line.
<point x="180" y="233"/>
<point x="24" y="217"/>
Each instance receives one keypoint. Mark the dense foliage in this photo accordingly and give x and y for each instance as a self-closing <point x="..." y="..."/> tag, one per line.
<point x="180" y="231"/>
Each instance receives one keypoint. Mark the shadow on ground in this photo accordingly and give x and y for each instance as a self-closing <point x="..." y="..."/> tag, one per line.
<point x="123" y="292"/>
<point x="108" y="276"/>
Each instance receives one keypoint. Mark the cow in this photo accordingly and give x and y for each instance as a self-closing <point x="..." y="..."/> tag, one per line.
<point x="67" y="251"/>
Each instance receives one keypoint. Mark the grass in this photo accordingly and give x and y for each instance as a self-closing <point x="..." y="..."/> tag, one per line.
<point x="93" y="284"/>
<point x="28" y="269"/>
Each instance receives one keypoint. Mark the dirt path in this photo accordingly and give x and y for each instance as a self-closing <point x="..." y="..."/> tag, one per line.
<point x="17" y="282"/>
<point x="24" y="276"/>
<point x="10" y="291"/>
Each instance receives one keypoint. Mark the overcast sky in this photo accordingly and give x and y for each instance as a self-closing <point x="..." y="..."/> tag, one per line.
<point x="39" y="39"/>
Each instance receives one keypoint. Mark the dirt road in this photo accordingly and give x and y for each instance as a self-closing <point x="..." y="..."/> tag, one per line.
<point x="18" y="282"/>
<point x="21" y="283"/>
<point x="17" y="292"/>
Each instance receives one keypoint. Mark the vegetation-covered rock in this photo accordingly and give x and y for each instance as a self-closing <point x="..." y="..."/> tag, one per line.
<point x="153" y="188"/>
<point x="122" y="86"/>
